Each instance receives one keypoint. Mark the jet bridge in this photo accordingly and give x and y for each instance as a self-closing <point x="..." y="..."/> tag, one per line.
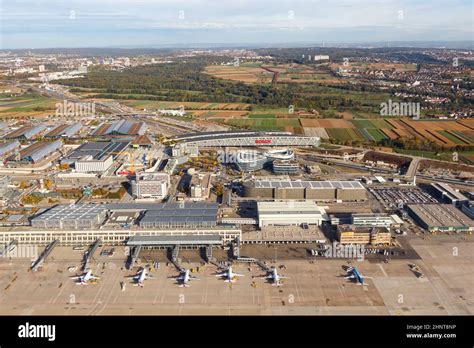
<point x="39" y="262"/>
<point x="132" y="258"/>
<point x="88" y="255"/>
<point x="209" y="253"/>
<point x="6" y="249"/>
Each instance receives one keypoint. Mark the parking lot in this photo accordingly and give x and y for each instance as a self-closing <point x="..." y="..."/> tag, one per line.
<point x="396" y="197"/>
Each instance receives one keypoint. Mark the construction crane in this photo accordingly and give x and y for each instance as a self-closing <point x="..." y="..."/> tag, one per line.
<point x="131" y="169"/>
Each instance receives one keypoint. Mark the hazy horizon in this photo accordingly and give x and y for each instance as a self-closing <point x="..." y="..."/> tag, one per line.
<point x="30" y="24"/>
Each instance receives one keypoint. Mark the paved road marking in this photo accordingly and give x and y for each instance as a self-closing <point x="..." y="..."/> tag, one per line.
<point x="383" y="271"/>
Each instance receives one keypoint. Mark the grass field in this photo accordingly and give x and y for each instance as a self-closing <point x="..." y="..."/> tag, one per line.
<point x="376" y="134"/>
<point x="341" y="134"/>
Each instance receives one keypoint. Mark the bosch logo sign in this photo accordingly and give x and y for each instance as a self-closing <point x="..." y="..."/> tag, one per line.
<point x="263" y="141"/>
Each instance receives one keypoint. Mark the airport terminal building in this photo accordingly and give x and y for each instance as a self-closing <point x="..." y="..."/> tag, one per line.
<point x="116" y="223"/>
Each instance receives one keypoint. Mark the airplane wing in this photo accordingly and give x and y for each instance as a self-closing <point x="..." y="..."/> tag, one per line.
<point x="133" y="276"/>
<point x="237" y="275"/>
<point x="350" y="277"/>
<point x="75" y="277"/>
<point x="94" y="277"/>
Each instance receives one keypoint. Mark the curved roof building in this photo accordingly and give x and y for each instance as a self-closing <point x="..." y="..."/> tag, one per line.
<point x="249" y="161"/>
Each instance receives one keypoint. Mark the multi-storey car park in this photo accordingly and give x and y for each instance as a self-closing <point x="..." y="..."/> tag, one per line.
<point x="246" y="138"/>
<point x="285" y="167"/>
<point x="311" y="190"/>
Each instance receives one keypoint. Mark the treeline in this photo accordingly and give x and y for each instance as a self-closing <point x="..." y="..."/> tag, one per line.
<point x="185" y="81"/>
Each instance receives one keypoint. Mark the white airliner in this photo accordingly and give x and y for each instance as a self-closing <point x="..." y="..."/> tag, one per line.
<point x="85" y="278"/>
<point x="140" y="277"/>
<point x="230" y="277"/>
<point x="184" y="278"/>
<point x="273" y="277"/>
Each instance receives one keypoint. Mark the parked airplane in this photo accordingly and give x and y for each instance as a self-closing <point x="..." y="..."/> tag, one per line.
<point x="85" y="278"/>
<point x="184" y="278"/>
<point x="273" y="277"/>
<point x="140" y="277"/>
<point x="354" y="274"/>
<point x="230" y="277"/>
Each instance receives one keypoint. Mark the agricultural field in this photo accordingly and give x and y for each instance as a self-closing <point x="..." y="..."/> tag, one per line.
<point x="265" y="123"/>
<point x="26" y="105"/>
<point x="259" y="73"/>
<point x="447" y="133"/>
<point x="247" y="74"/>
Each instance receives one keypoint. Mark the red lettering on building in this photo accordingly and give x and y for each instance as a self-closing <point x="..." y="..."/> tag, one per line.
<point x="263" y="141"/>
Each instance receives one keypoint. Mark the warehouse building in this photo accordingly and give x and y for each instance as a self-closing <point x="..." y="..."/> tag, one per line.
<point x="290" y="213"/>
<point x="34" y="153"/>
<point x="150" y="185"/>
<point x="95" y="156"/>
<point x="309" y="190"/>
<point x="448" y="194"/>
<point x="26" y="132"/>
<point x="440" y="217"/>
<point x="88" y="164"/>
<point x="9" y="147"/>
<point x="122" y="127"/>
<point x="350" y="234"/>
<point x="64" y="130"/>
<point x="98" y="150"/>
<point x="180" y="215"/>
<point x="71" y="217"/>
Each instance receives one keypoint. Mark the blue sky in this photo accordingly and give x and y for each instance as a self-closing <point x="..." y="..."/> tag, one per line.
<point x="105" y="23"/>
